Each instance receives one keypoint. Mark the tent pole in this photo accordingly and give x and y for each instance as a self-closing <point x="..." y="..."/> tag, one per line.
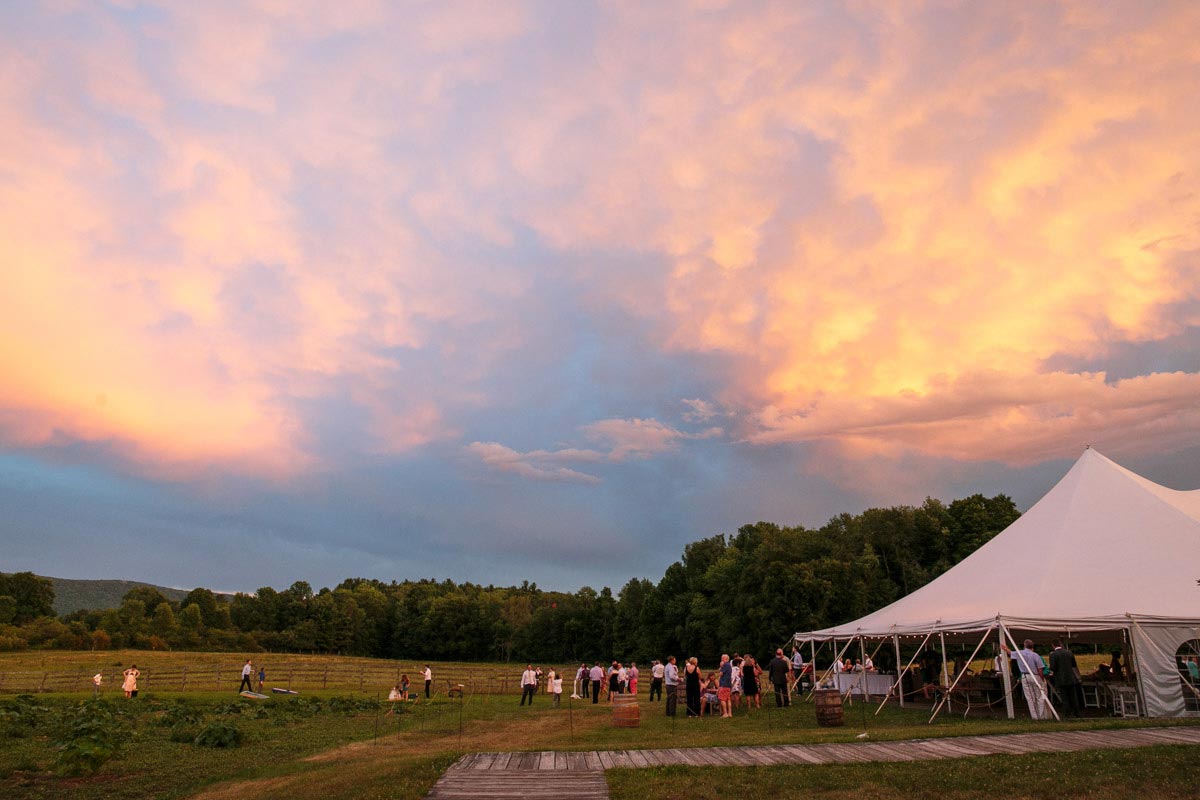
<point x="900" y="674"/>
<point x="837" y="657"/>
<point x="1038" y="683"/>
<point x="1006" y="672"/>
<point x="896" y="642"/>
<point x="1133" y="661"/>
<point x="958" y="677"/>
<point x="945" y="671"/>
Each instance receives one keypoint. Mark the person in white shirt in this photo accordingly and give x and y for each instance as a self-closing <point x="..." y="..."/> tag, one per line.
<point x="581" y="682"/>
<point x="528" y="684"/>
<point x="556" y="688"/>
<point x="838" y="667"/>
<point x="428" y="680"/>
<point x="597" y="676"/>
<point x="868" y="665"/>
<point x="671" y="679"/>
<point x="247" y="671"/>
<point x="656" y="680"/>
<point x="1031" y="666"/>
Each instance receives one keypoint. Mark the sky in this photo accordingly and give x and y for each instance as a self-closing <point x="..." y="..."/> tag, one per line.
<point x="546" y="290"/>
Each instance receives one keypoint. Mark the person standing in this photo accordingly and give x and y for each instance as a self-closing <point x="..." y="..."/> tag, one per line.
<point x="262" y="678"/>
<point x="1064" y="672"/>
<point x="556" y="687"/>
<point x="428" y="680"/>
<point x="691" y="677"/>
<point x="750" y="673"/>
<point x="528" y="684"/>
<point x="633" y="677"/>
<point x="656" y="680"/>
<point x="797" y="667"/>
<point x="725" y="686"/>
<point x="671" y="679"/>
<point x="1031" y="666"/>
<point x="614" y="681"/>
<point x="583" y="679"/>
<point x="247" y="671"/>
<point x="597" y="677"/>
<point x="778" y="671"/>
<point x="130" y="682"/>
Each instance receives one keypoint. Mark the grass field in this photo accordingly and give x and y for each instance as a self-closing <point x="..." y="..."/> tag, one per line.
<point x="335" y="752"/>
<point x="1169" y="772"/>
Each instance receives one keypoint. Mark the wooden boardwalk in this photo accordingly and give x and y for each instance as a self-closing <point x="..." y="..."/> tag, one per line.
<point x="552" y="774"/>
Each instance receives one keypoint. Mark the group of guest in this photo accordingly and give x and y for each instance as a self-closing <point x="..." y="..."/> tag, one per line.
<point x="737" y="680"/>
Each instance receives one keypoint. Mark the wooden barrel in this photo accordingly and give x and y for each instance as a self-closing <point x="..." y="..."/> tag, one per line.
<point x="626" y="713"/>
<point x="829" y="708"/>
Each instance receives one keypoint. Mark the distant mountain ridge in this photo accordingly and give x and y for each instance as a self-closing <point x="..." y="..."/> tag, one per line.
<point x="74" y="595"/>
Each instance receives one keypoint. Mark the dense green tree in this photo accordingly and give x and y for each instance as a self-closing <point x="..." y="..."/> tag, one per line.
<point x="32" y="596"/>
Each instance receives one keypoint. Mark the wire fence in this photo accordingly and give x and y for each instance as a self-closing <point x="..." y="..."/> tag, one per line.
<point x="295" y="676"/>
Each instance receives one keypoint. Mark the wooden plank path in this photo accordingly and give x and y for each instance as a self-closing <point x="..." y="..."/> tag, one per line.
<point x="549" y="774"/>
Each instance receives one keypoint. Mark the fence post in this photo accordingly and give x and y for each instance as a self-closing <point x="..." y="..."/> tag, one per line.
<point x="43" y="686"/>
<point x="324" y="679"/>
<point x="360" y="678"/>
<point x="183" y="686"/>
<point x="289" y="677"/>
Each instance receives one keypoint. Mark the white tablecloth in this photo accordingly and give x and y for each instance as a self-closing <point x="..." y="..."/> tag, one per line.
<point x="876" y="685"/>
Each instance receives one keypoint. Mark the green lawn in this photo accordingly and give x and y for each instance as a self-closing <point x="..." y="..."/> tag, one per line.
<point x="1166" y="772"/>
<point x="334" y="753"/>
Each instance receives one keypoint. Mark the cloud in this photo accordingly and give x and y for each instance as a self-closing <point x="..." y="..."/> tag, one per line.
<point x="622" y="440"/>
<point x="893" y="228"/>
<point x="505" y="459"/>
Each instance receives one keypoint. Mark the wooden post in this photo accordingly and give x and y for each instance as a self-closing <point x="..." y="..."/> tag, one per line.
<point x="43" y="685"/>
<point x="289" y="678"/>
<point x="324" y="679"/>
<point x="183" y="682"/>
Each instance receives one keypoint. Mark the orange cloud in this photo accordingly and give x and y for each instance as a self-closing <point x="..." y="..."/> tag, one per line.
<point x="884" y="220"/>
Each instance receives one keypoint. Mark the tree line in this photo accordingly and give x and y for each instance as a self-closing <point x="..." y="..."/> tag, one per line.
<point x="747" y="592"/>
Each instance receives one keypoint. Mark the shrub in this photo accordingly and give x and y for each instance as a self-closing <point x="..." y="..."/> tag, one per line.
<point x="219" y="734"/>
<point x="184" y="732"/>
<point x="179" y="714"/>
<point x="91" y="736"/>
<point x="20" y="716"/>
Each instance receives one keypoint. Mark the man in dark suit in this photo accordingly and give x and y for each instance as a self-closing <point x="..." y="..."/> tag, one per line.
<point x="1064" y="674"/>
<point x="779" y="671"/>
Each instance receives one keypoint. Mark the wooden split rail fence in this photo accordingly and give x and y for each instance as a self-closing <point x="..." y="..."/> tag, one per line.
<point x="299" y="676"/>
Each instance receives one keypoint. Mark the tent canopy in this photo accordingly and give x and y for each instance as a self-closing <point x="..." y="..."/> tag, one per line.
<point x="1103" y="547"/>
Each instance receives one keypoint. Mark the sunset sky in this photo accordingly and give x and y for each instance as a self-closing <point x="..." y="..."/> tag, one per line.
<point x="498" y="291"/>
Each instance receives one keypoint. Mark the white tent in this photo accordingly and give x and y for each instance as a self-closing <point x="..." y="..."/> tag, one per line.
<point x="1104" y="552"/>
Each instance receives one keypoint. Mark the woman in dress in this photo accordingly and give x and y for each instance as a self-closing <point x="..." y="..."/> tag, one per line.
<point x="691" y="677"/>
<point x="130" y="684"/>
<point x="735" y="691"/>
<point x="750" y="683"/>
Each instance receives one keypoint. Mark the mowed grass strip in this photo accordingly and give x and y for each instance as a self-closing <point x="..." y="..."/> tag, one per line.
<point x="1163" y="771"/>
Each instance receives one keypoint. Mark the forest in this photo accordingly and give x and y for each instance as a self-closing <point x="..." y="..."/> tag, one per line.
<point x="746" y="592"/>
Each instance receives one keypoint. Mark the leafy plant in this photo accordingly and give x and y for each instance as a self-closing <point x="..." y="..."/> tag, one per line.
<point x="92" y="736"/>
<point x="184" y="732"/>
<point x="21" y="716"/>
<point x="219" y="734"/>
<point x="179" y="714"/>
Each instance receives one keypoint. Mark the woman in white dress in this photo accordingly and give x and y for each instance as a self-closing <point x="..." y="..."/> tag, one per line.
<point x="130" y="684"/>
